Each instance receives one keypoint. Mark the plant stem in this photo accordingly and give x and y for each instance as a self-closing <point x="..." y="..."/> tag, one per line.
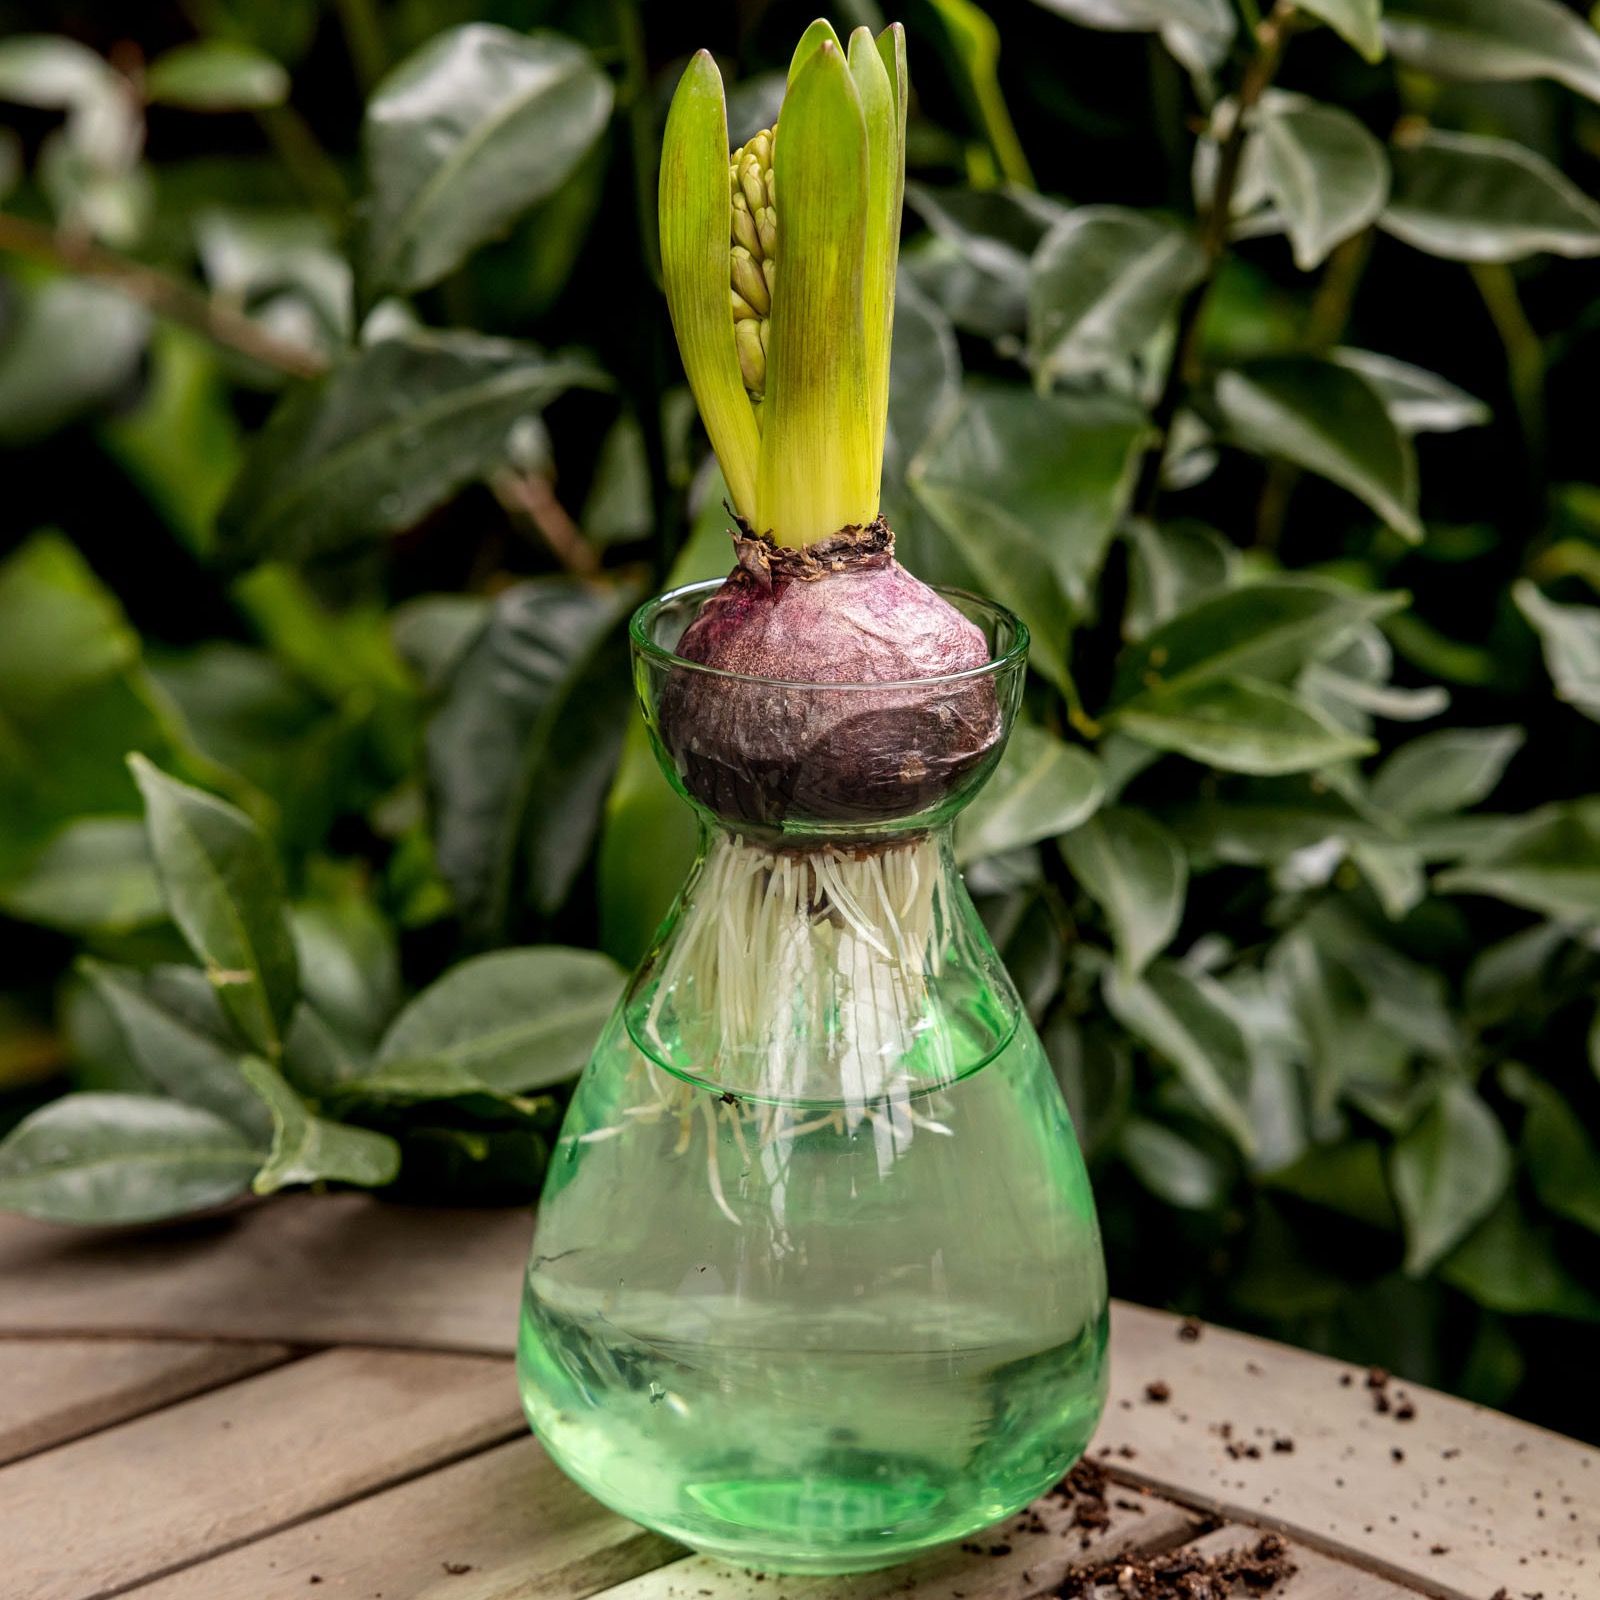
<point x="1325" y="325"/>
<point x="1524" y="357"/>
<point x="531" y="495"/>
<point x="162" y="293"/>
<point x="1183" y="367"/>
<point x="363" y="37"/>
<point x="634" y="102"/>
<point x="308" y="163"/>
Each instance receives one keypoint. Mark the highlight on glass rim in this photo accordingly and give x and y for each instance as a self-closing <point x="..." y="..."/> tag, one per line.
<point x="895" y="711"/>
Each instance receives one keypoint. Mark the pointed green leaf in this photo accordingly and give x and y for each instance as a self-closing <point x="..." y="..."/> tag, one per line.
<point x="1326" y="174"/>
<point x="1191" y="1022"/>
<point x="1467" y="197"/>
<point x="307" y="1148"/>
<point x="1042" y="787"/>
<point x="118" y="1158"/>
<point x="93" y="876"/>
<point x="1496" y="41"/>
<point x="518" y="1019"/>
<point x="186" y="1060"/>
<point x="1137" y="873"/>
<point x="216" y="75"/>
<point x="817" y="34"/>
<point x="886" y="178"/>
<point x="1547" y="861"/>
<point x="1444" y="772"/>
<point x="462" y="137"/>
<point x="1330" y="420"/>
<point x="1355" y="21"/>
<point x="1418" y="401"/>
<point x="1264" y="630"/>
<point x="1447" y="1173"/>
<point x="395" y="429"/>
<point x="1030" y="489"/>
<point x="1512" y="1263"/>
<point x="1570" y="638"/>
<point x="1240" y="725"/>
<point x="223" y="889"/>
<point x="696" y="217"/>
<point x="1561" y="1158"/>
<point x="1101" y="285"/>
<point x="817" y="471"/>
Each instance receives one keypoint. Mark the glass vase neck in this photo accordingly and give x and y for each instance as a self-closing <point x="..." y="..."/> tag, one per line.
<point x="824" y="974"/>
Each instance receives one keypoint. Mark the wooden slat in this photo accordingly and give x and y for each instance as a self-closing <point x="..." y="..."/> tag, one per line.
<point x="92" y="1517"/>
<point x="55" y="1390"/>
<point x="1317" y="1576"/>
<point x="1474" y="1501"/>
<point x="1014" y="1560"/>
<point x="504" y="1523"/>
<point x="309" y="1269"/>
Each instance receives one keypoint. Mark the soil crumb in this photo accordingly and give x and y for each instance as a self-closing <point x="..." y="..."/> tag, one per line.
<point x="1184" y="1575"/>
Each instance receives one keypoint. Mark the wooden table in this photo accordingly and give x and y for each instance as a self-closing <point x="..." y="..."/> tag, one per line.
<point x="313" y="1398"/>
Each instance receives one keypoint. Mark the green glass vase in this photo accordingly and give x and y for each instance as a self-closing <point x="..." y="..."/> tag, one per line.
<point x="817" y="1281"/>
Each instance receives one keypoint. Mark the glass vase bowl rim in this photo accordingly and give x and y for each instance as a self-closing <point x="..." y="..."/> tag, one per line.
<point x="1011" y="658"/>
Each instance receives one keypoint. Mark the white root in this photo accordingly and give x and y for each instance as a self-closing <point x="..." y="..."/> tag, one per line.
<point x="797" y="977"/>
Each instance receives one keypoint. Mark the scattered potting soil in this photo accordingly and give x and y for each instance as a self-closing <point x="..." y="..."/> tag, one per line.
<point x="1185" y="1575"/>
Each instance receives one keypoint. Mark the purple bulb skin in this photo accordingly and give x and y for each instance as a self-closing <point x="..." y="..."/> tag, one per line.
<point x="762" y="753"/>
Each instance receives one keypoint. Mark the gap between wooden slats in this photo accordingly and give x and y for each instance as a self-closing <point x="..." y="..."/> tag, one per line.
<point x="92" y="1518"/>
<point x="60" y="1389"/>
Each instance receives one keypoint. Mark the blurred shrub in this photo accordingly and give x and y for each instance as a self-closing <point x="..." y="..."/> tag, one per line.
<point x="331" y="347"/>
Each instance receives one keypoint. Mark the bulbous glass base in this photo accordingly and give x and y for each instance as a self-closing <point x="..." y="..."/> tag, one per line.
<point x="817" y="1281"/>
<point x="814" y="1337"/>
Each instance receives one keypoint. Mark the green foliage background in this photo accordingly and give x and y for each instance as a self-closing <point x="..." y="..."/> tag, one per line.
<point x="1249" y="358"/>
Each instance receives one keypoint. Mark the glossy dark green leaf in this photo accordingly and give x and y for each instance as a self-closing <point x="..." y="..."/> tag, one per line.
<point x="216" y="75"/>
<point x="1330" y="420"/>
<point x="463" y="137"/>
<point x="393" y="431"/>
<point x="1469" y="197"/>
<point x="1173" y="1168"/>
<point x="1562" y="1160"/>
<point x="1029" y="490"/>
<point x="1443" y="772"/>
<point x="1267" y="630"/>
<point x="1346" y="1178"/>
<point x="1131" y="16"/>
<point x="1512" y="1263"/>
<point x="493" y="733"/>
<point x="518" y="1019"/>
<point x="1418" y="401"/>
<point x="94" y="876"/>
<point x="1496" y="40"/>
<point x="1355" y="21"/>
<point x="1172" y="566"/>
<point x="222" y="887"/>
<point x="349" y="961"/>
<point x="1327" y="176"/>
<point x="1191" y="1023"/>
<point x="1240" y="725"/>
<point x="1547" y="861"/>
<point x="1101" y="285"/>
<point x="1447" y="1173"/>
<point x="1268" y="820"/>
<point x="973" y="263"/>
<point x="177" y="1046"/>
<point x="307" y="1148"/>
<point x="1043" y="786"/>
<point x="1570" y="638"/>
<point x="118" y="1158"/>
<point x="73" y="346"/>
<point x="1137" y="874"/>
